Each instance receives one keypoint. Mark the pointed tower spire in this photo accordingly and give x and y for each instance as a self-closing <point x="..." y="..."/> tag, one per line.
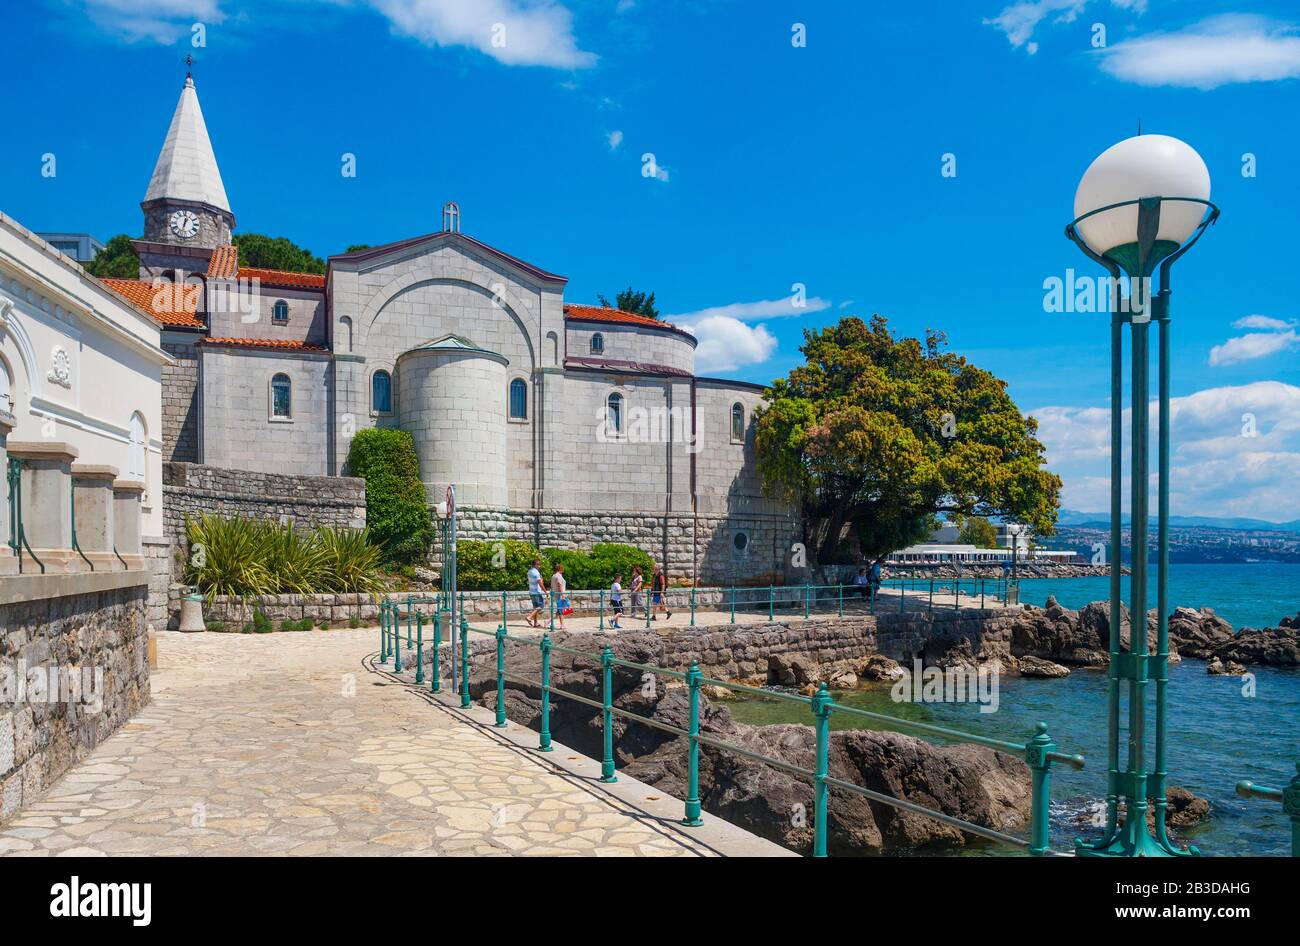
<point x="187" y="168"/>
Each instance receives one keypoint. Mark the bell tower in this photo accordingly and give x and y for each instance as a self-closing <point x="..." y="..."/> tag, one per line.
<point x="186" y="213"/>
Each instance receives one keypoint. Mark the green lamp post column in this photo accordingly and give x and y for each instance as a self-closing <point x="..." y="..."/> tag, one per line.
<point x="1130" y="233"/>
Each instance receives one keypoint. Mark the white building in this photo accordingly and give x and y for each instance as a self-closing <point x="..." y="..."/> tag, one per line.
<point x="80" y="410"/>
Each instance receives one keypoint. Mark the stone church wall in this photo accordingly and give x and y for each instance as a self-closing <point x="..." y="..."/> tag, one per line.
<point x="180" y="404"/>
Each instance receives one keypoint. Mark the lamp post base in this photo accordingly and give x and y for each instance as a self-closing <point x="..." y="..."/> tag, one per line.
<point x="1139" y="843"/>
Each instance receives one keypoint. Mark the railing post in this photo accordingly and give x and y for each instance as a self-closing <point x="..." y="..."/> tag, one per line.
<point x="501" y="677"/>
<point x="692" y="605"/>
<point x="981" y="594"/>
<point x="821" y="707"/>
<point x="602" y="610"/>
<point x="871" y="596"/>
<point x="733" y="604"/>
<point x="434" y="672"/>
<point x="505" y="609"/>
<point x="544" y="734"/>
<point x="395" y="629"/>
<point x="464" y="656"/>
<point x="383" y="632"/>
<point x="1040" y="764"/>
<point x="550" y="596"/>
<point x="692" y="817"/>
<point x="806" y="589"/>
<point x="408" y="622"/>
<point x="840" y="586"/>
<point x="769" y="604"/>
<point x="930" y="605"/>
<point x="419" y="647"/>
<point x="606" y="716"/>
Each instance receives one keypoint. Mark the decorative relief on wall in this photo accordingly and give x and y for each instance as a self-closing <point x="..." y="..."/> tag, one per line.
<point x="61" y="368"/>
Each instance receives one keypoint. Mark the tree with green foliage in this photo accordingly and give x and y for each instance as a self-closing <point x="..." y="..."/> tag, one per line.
<point x="979" y="532"/>
<point x="397" y="514"/>
<point x="629" y="300"/>
<point x="884" y="434"/>
<point x="357" y="247"/>
<point x="117" y="260"/>
<point x="266" y="252"/>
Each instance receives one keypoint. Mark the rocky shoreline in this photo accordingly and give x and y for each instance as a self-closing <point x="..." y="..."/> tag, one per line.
<point x="1024" y="569"/>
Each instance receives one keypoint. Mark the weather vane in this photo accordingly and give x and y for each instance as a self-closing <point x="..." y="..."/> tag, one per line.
<point x="189" y="64"/>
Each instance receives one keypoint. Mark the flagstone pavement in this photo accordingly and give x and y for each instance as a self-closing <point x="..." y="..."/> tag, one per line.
<point x="286" y="743"/>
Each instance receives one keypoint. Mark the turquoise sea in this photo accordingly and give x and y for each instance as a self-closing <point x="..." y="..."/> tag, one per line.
<point x="1219" y="733"/>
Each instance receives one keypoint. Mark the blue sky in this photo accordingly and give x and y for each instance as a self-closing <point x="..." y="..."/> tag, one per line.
<point x="777" y="165"/>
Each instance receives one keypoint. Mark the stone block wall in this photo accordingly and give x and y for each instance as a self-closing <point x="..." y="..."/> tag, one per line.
<point x="180" y="381"/>
<point x="88" y="628"/>
<point x="694" y="548"/>
<point x="157" y="553"/>
<point x="307" y="501"/>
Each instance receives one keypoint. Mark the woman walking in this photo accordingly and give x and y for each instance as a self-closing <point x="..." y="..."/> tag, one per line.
<point x="559" y="594"/>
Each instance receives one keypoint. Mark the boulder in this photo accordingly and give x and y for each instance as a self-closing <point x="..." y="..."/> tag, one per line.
<point x="1038" y="667"/>
<point x="792" y="670"/>
<point x="1271" y="647"/>
<point x="843" y="680"/>
<point x="1196" y="633"/>
<point x="1219" y="667"/>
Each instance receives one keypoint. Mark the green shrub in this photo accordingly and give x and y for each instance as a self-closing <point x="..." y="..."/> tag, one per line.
<point x="216" y="626"/>
<point x="478" y="565"/>
<point x="261" y="623"/>
<point x="397" y="512"/>
<point x="250" y="558"/>
<point x="303" y="625"/>
<point x="496" y="566"/>
<point x="323" y="624"/>
<point x="354" y="622"/>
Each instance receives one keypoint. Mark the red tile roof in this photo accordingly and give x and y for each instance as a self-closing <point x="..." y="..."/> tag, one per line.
<point x="170" y="305"/>
<point x="288" y="344"/>
<point x="601" y="313"/>
<point x="280" y="277"/>
<point x="224" y="263"/>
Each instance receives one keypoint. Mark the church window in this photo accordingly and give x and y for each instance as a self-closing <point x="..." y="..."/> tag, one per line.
<point x="518" y="399"/>
<point x="281" y="396"/>
<point x="737" y="423"/>
<point x="381" y="392"/>
<point x="345" y="331"/>
<point x="614" y="414"/>
<point x="280" y="312"/>
<point x="597" y="344"/>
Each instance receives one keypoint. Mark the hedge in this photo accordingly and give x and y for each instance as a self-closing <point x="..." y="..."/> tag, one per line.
<point x="480" y="565"/>
<point x="397" y="513"/>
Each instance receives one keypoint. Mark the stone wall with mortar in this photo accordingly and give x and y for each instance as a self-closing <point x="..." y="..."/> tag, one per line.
<point x="338" y="610"/>
<point x="694" y="548"/>
<point x="69" y="623"/>
<point x="157" y="552"/>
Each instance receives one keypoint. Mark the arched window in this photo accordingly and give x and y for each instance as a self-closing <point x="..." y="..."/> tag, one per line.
<point x="597" y="344"/>
<point x="281" y="396"/>
<point x="737" y="423"/>
<point x="345" y="333"/>
<point x="614" y="414"/>
<point x="518" y="399"/>
<point x="280" y="312"/>
<point x="6" y="388"/>
<point x="136" y="463"/>
<point x="381" y="392"/>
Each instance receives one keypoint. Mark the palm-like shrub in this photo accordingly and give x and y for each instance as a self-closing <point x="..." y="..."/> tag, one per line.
<point x="249" y="558"/>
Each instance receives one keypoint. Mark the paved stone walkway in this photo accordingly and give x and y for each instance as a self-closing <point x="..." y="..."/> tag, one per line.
<point x="286" y="744"/>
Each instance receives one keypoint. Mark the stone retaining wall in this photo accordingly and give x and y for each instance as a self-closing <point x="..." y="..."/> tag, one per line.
<point x="339" y="610"/>
<point x="307" y="501"/>
<point x="92" y="622"/>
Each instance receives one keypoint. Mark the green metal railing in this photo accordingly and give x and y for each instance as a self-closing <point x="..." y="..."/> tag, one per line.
<point x="17" y="535"/>
<point x="1039" y="752"/>
<point x="775" y="602"/>
<point x="1290" y="799"/>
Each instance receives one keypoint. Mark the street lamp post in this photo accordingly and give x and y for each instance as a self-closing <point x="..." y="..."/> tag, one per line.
<point x="1141" y="204"/>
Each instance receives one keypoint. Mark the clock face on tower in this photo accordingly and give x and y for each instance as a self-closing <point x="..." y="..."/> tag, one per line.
<point x="184" y="224"/>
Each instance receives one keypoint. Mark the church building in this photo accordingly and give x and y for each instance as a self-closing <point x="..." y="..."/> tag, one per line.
<point x="561" y="424"/>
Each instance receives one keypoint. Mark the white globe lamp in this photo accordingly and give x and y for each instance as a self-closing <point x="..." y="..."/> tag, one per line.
<point x="1145" y="166"/>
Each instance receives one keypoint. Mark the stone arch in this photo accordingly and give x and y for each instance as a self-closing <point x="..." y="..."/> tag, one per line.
<point x="510" y="304"/>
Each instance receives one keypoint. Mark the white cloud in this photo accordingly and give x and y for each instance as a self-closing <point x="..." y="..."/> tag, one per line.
<point x="1251" y="346"/>
<point x="763" y="309"/>
<point x="1218" y="51"/>
<point x="726" y="343"/>
<point x="615" y="138"/>
<point x="1276" y="335"/>
<point x="515" y="32"/>
<point x="158" y="21"/>
<point x="1020" y="20"/>
<point x="1235" y="451"/>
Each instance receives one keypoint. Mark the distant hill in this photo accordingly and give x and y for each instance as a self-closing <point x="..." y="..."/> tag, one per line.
<point x="1072" y="517"/>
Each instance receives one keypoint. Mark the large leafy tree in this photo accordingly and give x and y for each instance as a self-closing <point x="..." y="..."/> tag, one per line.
<point x="886" y="433"/>
<point x="629" y="300"/>
<point x="264" y="252"/>
<point x="117" y="260"/>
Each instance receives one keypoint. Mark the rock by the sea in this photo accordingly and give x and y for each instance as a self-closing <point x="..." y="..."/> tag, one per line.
<point x="1038" y="667"/>
<point x="879" y="667"/>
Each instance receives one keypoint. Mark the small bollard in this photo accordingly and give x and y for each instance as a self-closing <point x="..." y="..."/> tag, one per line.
<point x="383" y="633"/>
<point x="396" y="633"/>
<point x="419" y="647"/>
<point x="464" y="657"/>
<point x="434" y="672"/>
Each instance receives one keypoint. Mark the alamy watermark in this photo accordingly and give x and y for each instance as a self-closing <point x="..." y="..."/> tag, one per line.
<point x="958" y="684"/>
<point x="52" y="684"/>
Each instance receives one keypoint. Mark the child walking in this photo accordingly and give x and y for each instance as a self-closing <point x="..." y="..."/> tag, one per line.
<point x="616" y="600"/>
